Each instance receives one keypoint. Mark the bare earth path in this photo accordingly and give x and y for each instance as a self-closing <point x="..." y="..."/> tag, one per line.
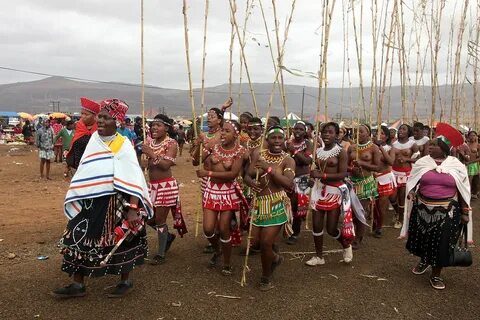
<point x="377" y="285"/>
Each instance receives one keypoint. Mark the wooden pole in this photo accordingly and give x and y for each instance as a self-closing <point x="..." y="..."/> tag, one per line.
<point x="230" y="50"/>
<point x="455" y="93"/>
<point x="190" y="91"/>
<point x="279" y="60"/>
<point x="358" y="47"/>
<point x="142" y="67"/>
<point x="475" y="72"/>
<point x="243" y="280"/>
<point x="243" y="57"/>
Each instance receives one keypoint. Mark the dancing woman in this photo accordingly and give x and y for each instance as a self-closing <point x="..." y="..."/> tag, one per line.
<point x="106" y="201"/>
<point x="330" y="196"/>
<point x="222" y="194"/>
<point x="276" y="170"/>
<point x="406" y="153"/>
<point x="472" y="162"/>
<point x="300" y="149"/>
<point x="162" y="153"/>
<point x="387" y="185"/>
<point x="364" y="158"/>
<point x="255" y="142"/>
<point x="440" y="192"/>
<point x="245" y="119"/>
<point x="207" y="141"/>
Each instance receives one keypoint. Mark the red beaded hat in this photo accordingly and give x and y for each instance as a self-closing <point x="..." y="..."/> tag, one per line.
<point x="90" y="105"/>
<point x="448" y="134"/>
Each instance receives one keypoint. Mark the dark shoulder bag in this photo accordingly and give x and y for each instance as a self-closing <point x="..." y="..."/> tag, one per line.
<point x="461" y="256"/>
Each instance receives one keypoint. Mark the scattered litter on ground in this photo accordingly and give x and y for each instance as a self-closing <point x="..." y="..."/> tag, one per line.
<point x="332" y="275"/>
<point x="227" y="297"/>
<point x="41" y="257"/>
<point x="11" y="255"/>
<point x="176" y="304"/>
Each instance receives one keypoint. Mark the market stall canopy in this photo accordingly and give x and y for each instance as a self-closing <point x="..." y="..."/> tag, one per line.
<point x="57" y="115"/>
<point x="9" y="114"/>
<point x="25" y="115"/>
<point x="185" y="122"/>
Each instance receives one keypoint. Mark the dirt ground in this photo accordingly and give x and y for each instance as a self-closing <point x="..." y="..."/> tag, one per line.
<point x="377" y="285"/>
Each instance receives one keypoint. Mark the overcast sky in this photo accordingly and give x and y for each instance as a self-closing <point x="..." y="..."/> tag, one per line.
<point x="101" y="40"/>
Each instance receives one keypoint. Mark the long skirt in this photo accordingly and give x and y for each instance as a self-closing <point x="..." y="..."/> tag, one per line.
<point x="90" y="236"/>
<point x="433" y="230"/>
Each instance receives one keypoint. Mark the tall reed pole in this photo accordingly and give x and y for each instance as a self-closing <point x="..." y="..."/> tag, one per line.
<point x="241" y="43"/>
<point x="190" y="89"/>
<point x="456" y="75"/>
<point x="243" y="280"/>
<point x="475" y="71"/>
<point x="435" y="48"/>
<point x="270" y="47"/>
<point x="279" y="61"/>
<point x="373" y="84"/>
<point x="230" y="51"/>
<point x="388" y="45"/>
<point x="204" y="56"/>
<point x="142" y="76"/>
<point x="358" y="47"/>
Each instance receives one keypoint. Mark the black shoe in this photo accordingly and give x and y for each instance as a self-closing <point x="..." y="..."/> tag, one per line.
<point x="170" y="239"/>
<point x="292" y="240"/>
<point x="214" y="259"/>
<point x="227" y="271"/>
<point x="121" y="289"/>
<point x="208" y="249"/>
<point x="265" y="284"/>
<point x="378" y="233"/>
<point x="420" y="268"/>
<point x="74" y="290"/>
<point x="157" y="260"/>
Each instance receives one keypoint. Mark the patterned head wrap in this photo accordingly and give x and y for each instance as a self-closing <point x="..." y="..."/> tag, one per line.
<point x="115" y="108"/>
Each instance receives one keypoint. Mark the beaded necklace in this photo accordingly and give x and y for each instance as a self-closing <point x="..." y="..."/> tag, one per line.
<point x="225" y="155"/>
<point x="160" y="150"/>
<point x="273" y="158"/>
<point x="365" y="146"/>
<point x="253" y="144"/>
<point x="323" y="154"/>
<point x="211" y="133"/>
<point x="387" y="148"/>
<point x="300" y="146"/>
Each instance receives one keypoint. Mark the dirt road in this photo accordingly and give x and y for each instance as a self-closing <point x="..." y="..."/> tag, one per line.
<point x="377" y="285"/>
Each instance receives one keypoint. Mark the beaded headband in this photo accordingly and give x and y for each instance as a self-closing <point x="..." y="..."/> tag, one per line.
<point x="161" y="121"/>
<point x="275" y="130"/>
<point x="444" y="140"/>
<point x="302" y="123"/>
<point x="233" y="125"/>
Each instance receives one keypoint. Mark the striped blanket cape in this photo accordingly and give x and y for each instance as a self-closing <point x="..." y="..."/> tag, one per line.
<point x="105" y="170"/>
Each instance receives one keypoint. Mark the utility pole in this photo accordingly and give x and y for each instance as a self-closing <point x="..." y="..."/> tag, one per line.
<point x="303" y="100"/>
<point x="55" y="106"/>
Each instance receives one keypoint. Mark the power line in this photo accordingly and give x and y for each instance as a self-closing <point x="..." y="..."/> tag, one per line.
<point x="134" y="85"/>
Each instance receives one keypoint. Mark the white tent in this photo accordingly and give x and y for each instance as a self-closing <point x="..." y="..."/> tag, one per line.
<point x="292" y="116"/>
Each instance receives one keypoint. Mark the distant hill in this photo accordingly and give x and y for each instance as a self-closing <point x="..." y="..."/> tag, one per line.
<point x="36" y="96"/>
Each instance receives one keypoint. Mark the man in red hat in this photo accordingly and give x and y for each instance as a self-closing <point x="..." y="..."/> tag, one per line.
<point x="83" y="131"/>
